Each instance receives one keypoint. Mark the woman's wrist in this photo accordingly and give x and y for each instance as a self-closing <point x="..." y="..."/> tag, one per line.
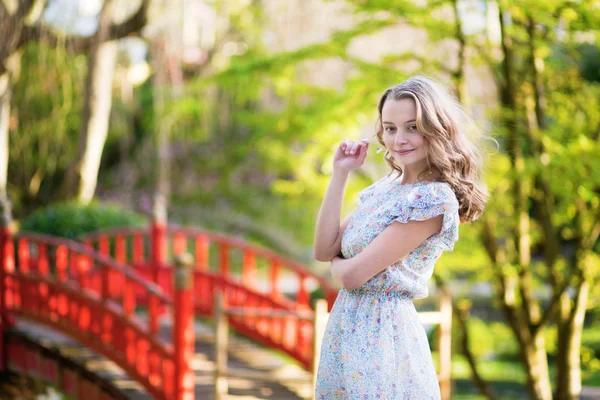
<point x="340" y="174"/>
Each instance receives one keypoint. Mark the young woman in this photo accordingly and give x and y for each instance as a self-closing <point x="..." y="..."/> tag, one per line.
<point x="383" y="253"/>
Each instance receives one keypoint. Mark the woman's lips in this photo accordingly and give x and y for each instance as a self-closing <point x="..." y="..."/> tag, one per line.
<point x="404" y="152"/>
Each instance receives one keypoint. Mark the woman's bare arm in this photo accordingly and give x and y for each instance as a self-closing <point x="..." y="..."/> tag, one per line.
<point x="328" y="230"/>
<point x="390" y="246"/>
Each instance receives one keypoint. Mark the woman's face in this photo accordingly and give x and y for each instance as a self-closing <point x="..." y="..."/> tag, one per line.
<point x="400" y="134"/>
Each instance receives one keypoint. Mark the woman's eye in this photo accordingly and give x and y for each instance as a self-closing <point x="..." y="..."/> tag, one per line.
<point x="412" y="127"/>
<point x="389" y="129"/>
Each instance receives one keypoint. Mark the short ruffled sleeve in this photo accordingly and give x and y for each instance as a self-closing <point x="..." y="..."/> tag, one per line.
<point x="428" y="201"/>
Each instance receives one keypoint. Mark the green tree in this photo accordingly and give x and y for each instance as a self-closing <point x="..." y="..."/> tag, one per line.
<point x="82" y="178"/>
<point x="21" y="23"/>
<point x="540" y="231"/>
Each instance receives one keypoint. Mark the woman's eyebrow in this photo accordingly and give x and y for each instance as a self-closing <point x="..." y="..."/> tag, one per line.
<point x="407" y="122"/>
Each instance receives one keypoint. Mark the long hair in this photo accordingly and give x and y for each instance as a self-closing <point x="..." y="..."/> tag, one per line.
<point x="453" y="151"/>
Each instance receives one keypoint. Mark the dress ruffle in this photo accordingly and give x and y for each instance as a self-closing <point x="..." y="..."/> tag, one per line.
<point x="428" y="201"/>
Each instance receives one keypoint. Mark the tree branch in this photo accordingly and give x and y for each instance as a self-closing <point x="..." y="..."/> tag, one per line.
<point x="551" y="308"/>
<point x="25" y="6"/>
<point x="512" y="313"/>
<point x="77" y="43"/>
<point x="135" y="23"/>
<point x="530" y="307"/>
<point x="489" y="241"/>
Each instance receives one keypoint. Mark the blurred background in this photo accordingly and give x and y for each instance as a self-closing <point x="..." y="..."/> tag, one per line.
<point x="225" y="114"/>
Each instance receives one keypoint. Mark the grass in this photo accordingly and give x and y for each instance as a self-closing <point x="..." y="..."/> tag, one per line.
<point x="506" y="378"/>
<point x="592" y="379"/>
<point x="493" y="370"/>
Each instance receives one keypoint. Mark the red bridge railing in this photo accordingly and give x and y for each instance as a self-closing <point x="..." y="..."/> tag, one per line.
<point x="246" y="275"/>
<point x="92" y="298"/>
<point x="289" y="334"/>
<point x="258" y="268"/>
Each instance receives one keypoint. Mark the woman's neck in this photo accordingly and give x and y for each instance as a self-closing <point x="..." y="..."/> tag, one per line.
<point x="410" y="176"/>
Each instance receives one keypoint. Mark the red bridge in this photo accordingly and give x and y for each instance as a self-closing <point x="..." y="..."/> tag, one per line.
<point x="90" y="290"/>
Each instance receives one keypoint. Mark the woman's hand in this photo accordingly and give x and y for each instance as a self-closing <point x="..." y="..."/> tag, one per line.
<point x="336" y="270"/>
<point x="350" y="155"/>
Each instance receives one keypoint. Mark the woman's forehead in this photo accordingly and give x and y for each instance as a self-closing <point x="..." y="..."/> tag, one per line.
<point x="402" y="110"/>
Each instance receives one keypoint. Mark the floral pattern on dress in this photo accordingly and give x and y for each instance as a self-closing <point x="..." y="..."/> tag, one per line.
<point x="374" y="346"/>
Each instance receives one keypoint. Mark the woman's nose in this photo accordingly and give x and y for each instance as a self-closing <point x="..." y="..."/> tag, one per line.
<point x="400" y="138"/>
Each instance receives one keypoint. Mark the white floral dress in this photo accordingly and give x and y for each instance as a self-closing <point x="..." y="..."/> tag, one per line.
<point x="374" y="346"/>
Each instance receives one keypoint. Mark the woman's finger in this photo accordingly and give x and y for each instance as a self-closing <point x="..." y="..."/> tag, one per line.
<point x="363" y="153"/>
<point x="344" y="144"/>
<point x="349" y="146"/>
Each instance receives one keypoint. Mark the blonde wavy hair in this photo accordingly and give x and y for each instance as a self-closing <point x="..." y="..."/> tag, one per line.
<point x="453" y="151"/>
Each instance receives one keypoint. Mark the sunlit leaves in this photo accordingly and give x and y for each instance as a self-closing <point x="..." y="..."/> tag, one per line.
<point x="47" y="101"/>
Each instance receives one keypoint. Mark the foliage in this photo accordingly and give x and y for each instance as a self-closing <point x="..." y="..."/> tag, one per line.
<point x="72" y="220"/>
<point x="43" y="136"/>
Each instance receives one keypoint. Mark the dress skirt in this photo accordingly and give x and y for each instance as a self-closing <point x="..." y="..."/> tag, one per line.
<point x="374" y="347"/>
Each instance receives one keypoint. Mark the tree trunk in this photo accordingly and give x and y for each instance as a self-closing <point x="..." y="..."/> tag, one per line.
<point x="167" y="86"/>
<point x="536" y="363"/>
<point x="96" y="117"/>
<point x="12" y="69"/>
<point x="459" y="74"/>
<point x="83" y="178"/>
<point x="531" y="343"/>
<point x="5" y="93"/>
<point x="568" y="361"/>
<point x="162" y="187"/>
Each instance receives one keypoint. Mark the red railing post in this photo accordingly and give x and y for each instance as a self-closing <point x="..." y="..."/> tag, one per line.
<point x="274" y="278"/>
<point x="183" y="335"/>
<point x="158" y="245"/>
<point x="202" y="252"/>
<point x="7" y="264"/>
<point x="158" y="259"/>
<point x="249" y="268"/>
<point x="224" y="259"/>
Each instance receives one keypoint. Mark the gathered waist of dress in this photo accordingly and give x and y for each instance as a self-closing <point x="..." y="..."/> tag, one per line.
<point x="381" y="293"/>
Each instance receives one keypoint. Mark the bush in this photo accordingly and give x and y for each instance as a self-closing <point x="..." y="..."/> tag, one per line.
<point x="71" y="220"/>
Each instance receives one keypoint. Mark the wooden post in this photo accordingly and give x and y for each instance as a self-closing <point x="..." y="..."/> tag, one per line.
<point x="319" y="323"/>
<point x="221" y="343"/>
<point x="445" y="345"/>
<point x="6" y="264"/>
<point x="183" y="334"/>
